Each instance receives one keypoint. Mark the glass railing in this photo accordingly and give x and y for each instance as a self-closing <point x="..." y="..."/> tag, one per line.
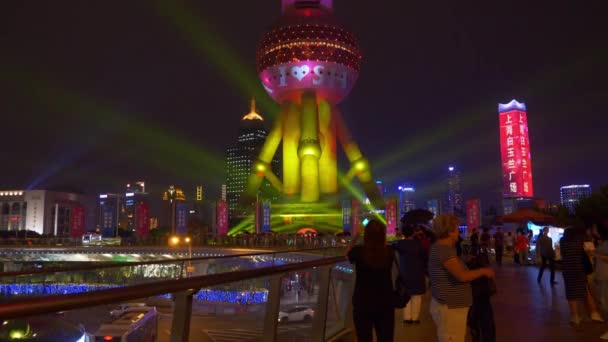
<point x="303" y="299"/>
<point x="87" y="278"/>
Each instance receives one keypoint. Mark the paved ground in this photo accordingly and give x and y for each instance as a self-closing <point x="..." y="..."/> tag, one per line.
<point x="523" y="309"/>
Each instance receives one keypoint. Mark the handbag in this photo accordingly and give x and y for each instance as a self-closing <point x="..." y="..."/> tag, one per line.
<point x="401" y="295"/>
<point x="587" y="265"/>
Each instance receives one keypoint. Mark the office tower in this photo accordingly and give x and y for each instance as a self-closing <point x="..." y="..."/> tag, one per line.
<point x="571" y="195"/>
<point x="453" y="196"/>
<point x="240" y="159"/>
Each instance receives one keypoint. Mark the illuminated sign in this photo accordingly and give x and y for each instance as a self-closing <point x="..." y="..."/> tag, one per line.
<point x="473" y="213"/>
<point x="333" y="79"/>
<point x="266" y="216"/>
<point x="103" y="196"/>
<point x="181" y="219"/>
<point x="77" y="221"/>
<point x="142" y="219"/>
<point x="391" y="216"/>
<point x="346" y="215"/>
<point x="222" y="218"/>
<point x="515" y="150"/>
<point x="199" y="193"/>
<point x="130" y="194"/>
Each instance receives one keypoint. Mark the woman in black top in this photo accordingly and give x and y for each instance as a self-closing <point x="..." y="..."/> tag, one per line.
<point x="372" y="306"/>
<point x="413" y="260"/>
<point x="575" y="279"/>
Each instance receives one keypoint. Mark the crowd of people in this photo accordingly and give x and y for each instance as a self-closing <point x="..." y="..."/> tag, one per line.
<point x="460" y="278"/>
<point x="460" y="293"/>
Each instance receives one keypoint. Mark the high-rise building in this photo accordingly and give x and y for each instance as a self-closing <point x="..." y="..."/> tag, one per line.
<point x="136" y="209"/>
<point x="240" y="158"/>
<point x="515" y="150"/>
<point x="110" y="208"/>
<point x="571" y="195"/>
<point x="406" y="198"/>
<point x="452" y="203"/>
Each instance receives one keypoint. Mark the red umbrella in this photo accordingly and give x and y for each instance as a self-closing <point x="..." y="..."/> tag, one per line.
<point x="525" y="214"/>
<point x="305" y="231"/>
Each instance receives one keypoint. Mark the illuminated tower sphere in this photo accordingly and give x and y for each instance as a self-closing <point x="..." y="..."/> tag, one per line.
<point x="308" y="63"/>
<point x="308" y="50"/>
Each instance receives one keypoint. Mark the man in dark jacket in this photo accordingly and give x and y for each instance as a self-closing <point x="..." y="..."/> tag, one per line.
<point x="547" y="255"/>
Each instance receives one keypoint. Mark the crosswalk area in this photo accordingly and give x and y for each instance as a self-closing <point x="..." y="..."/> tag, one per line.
<point x="248" y="335"/>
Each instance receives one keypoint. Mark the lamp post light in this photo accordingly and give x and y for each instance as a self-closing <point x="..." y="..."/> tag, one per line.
<point x="176" y="241"/>
<point x="190" y="269"/>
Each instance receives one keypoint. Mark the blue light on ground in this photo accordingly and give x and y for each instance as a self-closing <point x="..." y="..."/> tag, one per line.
<point x="222" y="296"/>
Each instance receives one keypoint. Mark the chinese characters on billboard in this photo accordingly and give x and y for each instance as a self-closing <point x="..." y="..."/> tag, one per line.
<point x="391" y="216"/>
<point x="77" y="221"/>
<point x="181" y="219"/>
<point x="142" y="223"/>
<point x="515" y="150"/>
<point x="473" y="214"/>
<point x="222" y="217"/>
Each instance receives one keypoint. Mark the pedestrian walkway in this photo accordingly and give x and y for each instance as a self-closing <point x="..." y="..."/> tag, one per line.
<point x="523" y="309"/>
<point x="254" y="334"/>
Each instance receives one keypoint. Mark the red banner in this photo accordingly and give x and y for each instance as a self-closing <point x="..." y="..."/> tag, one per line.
<point x="515" y="151"/>
<point x="142" y="219"/>
<point x="473" y="214"/>
<point x="77" y="221"/>
<point x="222" y="218"/>
<point x="391" y="216"/>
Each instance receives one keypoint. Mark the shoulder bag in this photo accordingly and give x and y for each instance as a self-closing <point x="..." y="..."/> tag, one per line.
<point x="401" y="295"/>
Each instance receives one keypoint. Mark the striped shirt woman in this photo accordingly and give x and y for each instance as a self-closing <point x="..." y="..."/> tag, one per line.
<point x="450" y="282"/>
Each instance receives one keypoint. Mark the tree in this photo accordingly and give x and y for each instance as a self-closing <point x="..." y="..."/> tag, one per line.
<point x="594" y="209"/>
<point x="161" y="231"/>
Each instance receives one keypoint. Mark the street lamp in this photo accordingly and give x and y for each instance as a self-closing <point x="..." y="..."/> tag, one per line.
<point x="190" y="268"/>
<point x="175" y="241"/>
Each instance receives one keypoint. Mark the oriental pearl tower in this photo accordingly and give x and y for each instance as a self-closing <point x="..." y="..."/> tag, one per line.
<point x="308" y="63"/>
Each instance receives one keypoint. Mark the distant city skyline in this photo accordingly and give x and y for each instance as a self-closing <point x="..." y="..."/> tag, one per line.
<point x="122" y="99"/>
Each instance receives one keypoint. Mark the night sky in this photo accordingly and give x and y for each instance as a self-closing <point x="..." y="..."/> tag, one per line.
<point x="94" y="94"/>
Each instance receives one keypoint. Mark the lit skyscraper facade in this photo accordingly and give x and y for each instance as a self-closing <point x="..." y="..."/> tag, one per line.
<point x="453" y="196"/>
<point x="515" y="150"/>
<point x="136" y="207"/>
<point x="406" y="198"/>
<point x="571" y="195"/>
<point x="241" y="156"/>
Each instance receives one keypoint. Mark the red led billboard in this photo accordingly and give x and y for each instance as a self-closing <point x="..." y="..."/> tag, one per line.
<point x="515" y="150"/>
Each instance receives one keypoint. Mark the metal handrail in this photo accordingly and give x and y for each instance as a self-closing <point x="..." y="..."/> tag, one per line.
<point x="106" y="265"/>
<point x="44" y="305"/>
